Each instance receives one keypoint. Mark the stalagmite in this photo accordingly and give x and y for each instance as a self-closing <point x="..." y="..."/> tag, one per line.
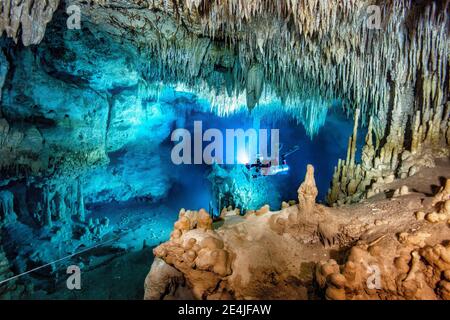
<point x="352" y="146"/>
<point x="61" y="208"/>
<point x="4" y="66"/>
<point x="443" y="194"/>
<point x="307" y="192"/>
<point x="368" y="152"/>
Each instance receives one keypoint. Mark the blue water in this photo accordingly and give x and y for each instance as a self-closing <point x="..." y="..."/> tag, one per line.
<point x="192" y="189"/>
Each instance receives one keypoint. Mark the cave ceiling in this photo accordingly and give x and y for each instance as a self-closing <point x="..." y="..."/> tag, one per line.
<point x="296" y="50"/>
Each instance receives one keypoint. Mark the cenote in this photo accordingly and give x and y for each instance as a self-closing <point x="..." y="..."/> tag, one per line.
<point x="133" y="197"/>
<point x="87" y="116"/>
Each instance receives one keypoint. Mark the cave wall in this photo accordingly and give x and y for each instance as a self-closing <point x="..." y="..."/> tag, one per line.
<point x="70" y="102"/>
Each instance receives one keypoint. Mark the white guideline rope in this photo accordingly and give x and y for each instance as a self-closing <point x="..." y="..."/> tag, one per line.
<point x="56" y="261"/>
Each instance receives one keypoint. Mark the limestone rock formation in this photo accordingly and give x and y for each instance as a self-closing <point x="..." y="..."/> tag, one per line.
<point x="413" y="270"/>
<point x="5" y="287"/>
<point x="164" y="281"/>
<point x="197" y="251"/>
<point x="255" y="85"/>
<point x="189" y="220"/>
<point x="26" y="19"/>
<point x="443" y="195"/>
<point x="384" y="255"/>
<point x="236" y="67"/>
<point x="76" y="103"/>
<point x="308" y="191"/>
<point x="9" y="288"/>
<point x="233" y="187"/>
<point x="4" y="66"/>
<point x="288" y="30"/>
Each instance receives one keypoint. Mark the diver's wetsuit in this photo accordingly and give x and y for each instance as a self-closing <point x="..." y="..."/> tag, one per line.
<point x="258" y="166"/>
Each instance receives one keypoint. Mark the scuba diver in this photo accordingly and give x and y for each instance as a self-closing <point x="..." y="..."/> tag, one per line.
<point x="271" y="168"/>
<point x="258" y="165"/>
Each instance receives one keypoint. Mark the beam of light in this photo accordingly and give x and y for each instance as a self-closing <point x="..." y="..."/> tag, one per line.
<point x="273" y="171"/>
<point x="243" y="157"/>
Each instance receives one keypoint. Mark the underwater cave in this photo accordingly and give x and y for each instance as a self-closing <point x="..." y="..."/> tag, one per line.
<point x="170" y="149"/>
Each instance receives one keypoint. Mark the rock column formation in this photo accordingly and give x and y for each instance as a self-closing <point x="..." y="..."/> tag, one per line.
<point x="307" y="193"/>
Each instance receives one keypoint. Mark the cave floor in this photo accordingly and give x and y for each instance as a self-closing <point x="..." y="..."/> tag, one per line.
<point x="117" y="268"/>
<point x="121" y="278"/>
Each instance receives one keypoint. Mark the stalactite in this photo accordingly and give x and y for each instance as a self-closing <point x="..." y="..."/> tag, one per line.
<point x="47" y="208"/>
<point x="255" y="85"/>
<point x="26" y="19"/>
<point x="61" y="208"/>
<point x="80" y="202"/>
<point x="328" y="54"/>
<point x="7" y="214"/>
<point x="327" y="51"/>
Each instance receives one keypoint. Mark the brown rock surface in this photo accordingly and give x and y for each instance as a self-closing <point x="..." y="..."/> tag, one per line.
<point x="375" y="249"/>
